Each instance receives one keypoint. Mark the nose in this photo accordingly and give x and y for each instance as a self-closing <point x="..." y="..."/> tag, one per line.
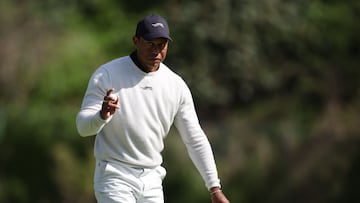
<point x="156" y="49"/>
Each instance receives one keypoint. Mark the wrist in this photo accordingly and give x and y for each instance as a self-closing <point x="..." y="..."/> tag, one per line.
<point x="101" y="117"/>
<point x="215" y="190"/>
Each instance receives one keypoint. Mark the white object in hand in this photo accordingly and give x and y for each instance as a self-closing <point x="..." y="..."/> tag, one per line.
<point x="113" y="96"/>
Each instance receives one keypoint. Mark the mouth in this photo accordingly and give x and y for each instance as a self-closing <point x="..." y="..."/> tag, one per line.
<point x="155" y="60"/>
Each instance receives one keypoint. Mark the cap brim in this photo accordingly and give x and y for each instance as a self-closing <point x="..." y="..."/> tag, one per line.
<point x="153" y="36"/>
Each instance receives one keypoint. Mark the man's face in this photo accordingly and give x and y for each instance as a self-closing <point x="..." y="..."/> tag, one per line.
<point x="151" y="53"/>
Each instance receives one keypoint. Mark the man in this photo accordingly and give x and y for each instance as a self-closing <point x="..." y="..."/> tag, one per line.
<point x="130" y="105"/>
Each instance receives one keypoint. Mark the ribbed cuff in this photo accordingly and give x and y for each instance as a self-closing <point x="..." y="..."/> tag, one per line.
<point x="215" y="183"/>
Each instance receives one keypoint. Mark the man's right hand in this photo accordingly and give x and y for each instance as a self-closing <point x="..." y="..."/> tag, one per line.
<point x="109" y="105"/>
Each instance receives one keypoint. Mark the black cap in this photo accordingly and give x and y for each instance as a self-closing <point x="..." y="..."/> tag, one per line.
<point x="152" y="27"/>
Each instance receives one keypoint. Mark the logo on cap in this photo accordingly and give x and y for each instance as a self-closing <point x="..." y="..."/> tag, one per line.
<point x="157" y="25"/>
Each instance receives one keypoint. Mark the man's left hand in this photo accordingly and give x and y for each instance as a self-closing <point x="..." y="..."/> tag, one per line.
<point x="217" y="196"/>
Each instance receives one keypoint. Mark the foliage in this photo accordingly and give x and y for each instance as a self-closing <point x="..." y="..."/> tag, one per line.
<point x="275" y="84"/>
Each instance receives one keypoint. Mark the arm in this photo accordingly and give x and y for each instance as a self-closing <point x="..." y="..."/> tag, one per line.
<point x="198" y="146"/>
<point x="96" y="110"/>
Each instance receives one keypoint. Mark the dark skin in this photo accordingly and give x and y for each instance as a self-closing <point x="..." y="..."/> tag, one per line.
<point x="218" y="196"/>
<point x="109" y="105"/>
<point x="150" y="54"/>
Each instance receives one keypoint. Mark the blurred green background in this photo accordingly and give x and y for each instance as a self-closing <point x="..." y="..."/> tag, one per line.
<point x="275" y="82"/>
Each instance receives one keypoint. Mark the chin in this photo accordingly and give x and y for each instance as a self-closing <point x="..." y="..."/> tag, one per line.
<point x="155" y="64"/>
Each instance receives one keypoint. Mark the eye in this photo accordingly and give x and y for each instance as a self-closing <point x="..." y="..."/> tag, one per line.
<point x="162" y="45"/>
<point x="150" y="44"/>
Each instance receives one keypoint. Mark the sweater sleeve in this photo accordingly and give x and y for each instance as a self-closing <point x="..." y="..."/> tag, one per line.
<point x="88" y="120"/>
<point x="195" y="140"/>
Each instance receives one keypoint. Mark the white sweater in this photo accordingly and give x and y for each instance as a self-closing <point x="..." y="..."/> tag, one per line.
<point x="149" y="104"/>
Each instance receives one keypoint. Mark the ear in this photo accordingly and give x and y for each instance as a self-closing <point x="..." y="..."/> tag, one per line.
<point x="135" y="40"/>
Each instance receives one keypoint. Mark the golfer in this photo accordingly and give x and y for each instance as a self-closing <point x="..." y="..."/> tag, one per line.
<point x="130" y="104"/>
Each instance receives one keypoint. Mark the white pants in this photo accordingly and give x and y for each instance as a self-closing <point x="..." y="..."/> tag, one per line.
<point x="118" y="183"/>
